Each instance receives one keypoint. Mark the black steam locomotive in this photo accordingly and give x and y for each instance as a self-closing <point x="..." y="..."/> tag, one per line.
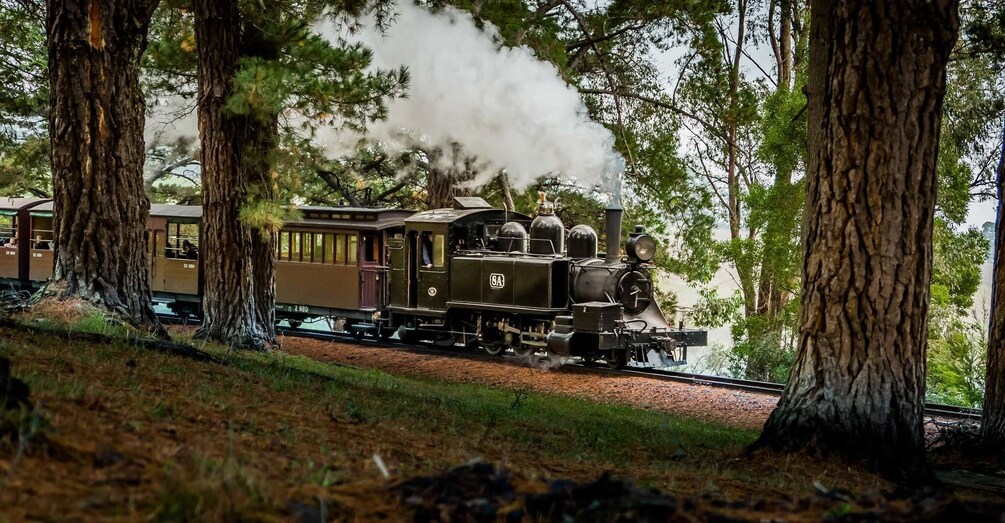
<point x="472" y="274"/>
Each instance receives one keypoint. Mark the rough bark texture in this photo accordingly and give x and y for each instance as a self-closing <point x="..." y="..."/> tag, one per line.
<point x="96" y="128"/>
<point x="258" y="142"/>
<point x="443" y="184"/>
<point x="876" y="83"/>
<point x="993" y="421"/>
<point x="230" y="312"/>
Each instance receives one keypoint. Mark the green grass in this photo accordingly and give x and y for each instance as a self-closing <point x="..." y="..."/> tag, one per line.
<point x="563" y="427"/>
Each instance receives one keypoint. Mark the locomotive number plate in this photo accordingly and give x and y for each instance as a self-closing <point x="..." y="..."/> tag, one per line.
<point x="497" y="281"/>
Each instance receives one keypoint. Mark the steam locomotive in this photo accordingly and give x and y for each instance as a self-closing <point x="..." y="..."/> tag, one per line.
<point x="467" y="274"/>
<point x="491" y="282"/>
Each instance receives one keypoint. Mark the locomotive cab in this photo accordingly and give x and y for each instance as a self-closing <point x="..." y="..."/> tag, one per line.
<point x="424" y="261"/>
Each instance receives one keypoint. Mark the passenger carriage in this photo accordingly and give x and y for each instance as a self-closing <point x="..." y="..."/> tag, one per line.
<point x="16" y="221"/>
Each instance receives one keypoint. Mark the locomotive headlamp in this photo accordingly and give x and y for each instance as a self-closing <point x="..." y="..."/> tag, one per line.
<point x="640" y="246"/>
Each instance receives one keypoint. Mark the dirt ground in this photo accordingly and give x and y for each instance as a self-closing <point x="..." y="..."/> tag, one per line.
<point x="128" y="435"/>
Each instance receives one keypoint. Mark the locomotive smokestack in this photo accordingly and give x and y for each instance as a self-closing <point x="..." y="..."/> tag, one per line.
<point x="613" y="234"/>
<point x="613" y="214"/>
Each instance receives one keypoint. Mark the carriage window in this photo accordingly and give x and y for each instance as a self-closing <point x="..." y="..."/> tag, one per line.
<point x="340" y="249"/>
<point x="319" y="248"/>
<point x="308" y="245"/>
<point x="439" y="254"/>
<point x="353" y="247"/>
<point x="370" y="246"/>
<point x="329" y="247"/>
<point x="284" y="246"/>
<point x="7" y="228"/>
<point x="182" y="240"/>
<point x="41" y="233"/>
<point x="294" y="246"/>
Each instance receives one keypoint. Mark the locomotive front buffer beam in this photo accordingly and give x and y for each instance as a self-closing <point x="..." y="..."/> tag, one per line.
<point x="596" y="329"/>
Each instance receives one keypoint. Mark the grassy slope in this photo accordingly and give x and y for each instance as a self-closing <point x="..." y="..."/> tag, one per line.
<point x="137" y="433"/>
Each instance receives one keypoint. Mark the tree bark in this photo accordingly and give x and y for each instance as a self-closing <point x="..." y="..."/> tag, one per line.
<point x="230" y="313"/>
<point x="96" y="130"/>
<point x="993" y="420"/>
<point x="259" y="142"/>
<point x="876" y="84"/>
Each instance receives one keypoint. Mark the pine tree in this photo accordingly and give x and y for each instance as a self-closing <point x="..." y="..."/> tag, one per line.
<point x="96" y="122"/>
<point x="265" y="63"/>
<point x="858" y="385"/>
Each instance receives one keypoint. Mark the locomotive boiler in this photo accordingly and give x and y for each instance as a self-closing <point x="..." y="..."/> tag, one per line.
<point x="499" y="279"/>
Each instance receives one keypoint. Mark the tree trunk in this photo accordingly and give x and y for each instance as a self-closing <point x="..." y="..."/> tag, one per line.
<point x="260" y="141"/>
<point x="229" y="308"/>
<point x="445" y="182"/>
<point x="876" y="84"/>
<point x="96" y="128"/>
<point x="993" y="420"/>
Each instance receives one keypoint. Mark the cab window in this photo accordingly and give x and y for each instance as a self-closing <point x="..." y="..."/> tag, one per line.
<point x="439" y="250"/>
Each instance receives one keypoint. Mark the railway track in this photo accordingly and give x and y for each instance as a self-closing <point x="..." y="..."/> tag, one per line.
<point x="775" y="389"/>
<point x="759" y="387"/>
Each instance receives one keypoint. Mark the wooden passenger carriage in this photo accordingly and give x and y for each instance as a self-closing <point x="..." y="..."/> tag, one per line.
<point x="16" y="219"/>
<point x="330" y="263"/>
<point x="333" y="262"/>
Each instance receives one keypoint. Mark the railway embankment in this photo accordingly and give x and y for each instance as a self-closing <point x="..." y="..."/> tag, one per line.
<point x="118" y="430"/>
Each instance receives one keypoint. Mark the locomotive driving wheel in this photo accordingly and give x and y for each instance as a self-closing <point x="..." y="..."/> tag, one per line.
<point x="524" y="350"/>
<point x="493" y="347"/>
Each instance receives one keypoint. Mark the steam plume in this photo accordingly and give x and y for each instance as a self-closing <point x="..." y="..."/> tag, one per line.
<point x="505" y="106"/>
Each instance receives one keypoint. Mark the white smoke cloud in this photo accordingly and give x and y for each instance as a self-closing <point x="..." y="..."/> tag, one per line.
<point x="502" y="104"/>
<point x="169" y="119"/>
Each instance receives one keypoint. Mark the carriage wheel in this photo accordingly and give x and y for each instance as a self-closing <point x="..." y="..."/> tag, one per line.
<point x="407" y="336"/>
<point x="295" y="324"/>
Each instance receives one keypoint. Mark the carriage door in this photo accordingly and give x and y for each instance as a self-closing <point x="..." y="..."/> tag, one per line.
<point x="372" y="273"/>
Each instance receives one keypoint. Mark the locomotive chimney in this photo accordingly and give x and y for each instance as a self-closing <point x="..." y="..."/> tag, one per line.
<point x="613" y="233"/>
<point x="613" y="214"/>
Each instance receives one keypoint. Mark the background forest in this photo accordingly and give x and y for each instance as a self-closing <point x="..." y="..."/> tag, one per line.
<point x="702" y="98"/>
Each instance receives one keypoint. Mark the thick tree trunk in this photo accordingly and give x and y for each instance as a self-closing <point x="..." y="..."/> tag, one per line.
<point x="96" y="128"/>
<point x="229" y="308"/>
<point x="993" y="421"/>
<point x="876" y="83"/>
<point x="260" y="140"/>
